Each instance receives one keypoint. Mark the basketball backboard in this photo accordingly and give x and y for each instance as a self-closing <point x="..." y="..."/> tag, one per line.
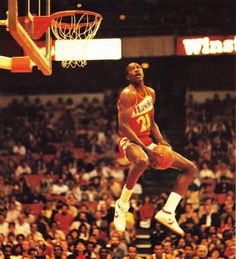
<point x="31" y="26"/>
<point x="21" y="28"/>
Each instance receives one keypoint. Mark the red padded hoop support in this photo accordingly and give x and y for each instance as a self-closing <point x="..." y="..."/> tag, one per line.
<point x="41" y="24"/>
<point x="25" y="41"/>
<point x="21" y="65"/>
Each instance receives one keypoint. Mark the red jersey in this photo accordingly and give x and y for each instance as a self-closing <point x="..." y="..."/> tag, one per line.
<point x="140" y="120"/>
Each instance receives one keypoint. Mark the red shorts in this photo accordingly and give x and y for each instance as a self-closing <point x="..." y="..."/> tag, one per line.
<point x="124" y="142"/>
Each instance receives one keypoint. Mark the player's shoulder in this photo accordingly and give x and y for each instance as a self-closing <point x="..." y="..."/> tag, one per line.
<point x="128" y="93"/>
<point x="128" y="96"/>
<point x="151" y="91"/>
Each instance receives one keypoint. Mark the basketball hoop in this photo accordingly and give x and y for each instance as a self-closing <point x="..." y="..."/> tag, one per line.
<point x="76" y="25"/>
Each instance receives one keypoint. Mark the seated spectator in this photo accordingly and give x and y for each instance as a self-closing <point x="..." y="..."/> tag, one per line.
<point x="83" y="232"/>
<point x="188" y="213"/>
<point x="3" y="225"/>
<point x="146" y="212"/>
<point x="216" y="253"/>
<point x="168" y="248"/>
<point x="227" y="223"/>
<point x="11" y="238"/>
<point x="58" y="252"/>
<point x="25" y="248"/>
<point x="64" y="219"/>
<point x="190" y="227"/>
<point x="209" y="218"/>
<point x="8" y="251"/>
<point x="117" y="172"/>
<point x="17" y="251"/>
<point x="64" y="247"/>
<point x="81" y="218"/>
<point x="34" y="231"/>
<point x="74" y="233"/>
<point x="228" y="208"/>
<point x="223" y="186"/>
<point x="188" y="251"/>
<point x="22" y="169"/>
<point x="43" y="225"/>
<point x="205" y="172"/>
<point x="116" y="247"/>
<point x="132" y="252"/>
<point x="29" y="217"/>
<point x="22" y="191"/>
<point x="37" y="196"/>
<point x="91" y="250"/>
<point x="114" y="187"/>
<point x="104" y="253"/>
<point x="12" y="227"/>
<point x="100" y="221"/>
<point x="207" y="201"/>
<point x="80" y="250"/>
<point x="74" y="195"/>
<point x="59" y="188"/>
<point x="55" y="233"/>
<point x="20" y="238"/>
<point x="97" y="236"/>
<point x="230" y="247"/>
<point x="158" y="233"/>
<point x="19" y="149"/>
<point x="22" y="227"/>
<point x="193" y="196"/>
<point x="48" y="210"/>
<point x="202" y="251"/>
<point x="158" y="252"/>
<point x="224" y="171"/>
<point x="12" y="212"/>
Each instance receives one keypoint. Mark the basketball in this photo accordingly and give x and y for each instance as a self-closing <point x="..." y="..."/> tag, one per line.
<point x="165" y="161"/>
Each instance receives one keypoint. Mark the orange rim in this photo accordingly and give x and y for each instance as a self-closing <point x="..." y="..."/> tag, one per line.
<point x="65" y="25"/>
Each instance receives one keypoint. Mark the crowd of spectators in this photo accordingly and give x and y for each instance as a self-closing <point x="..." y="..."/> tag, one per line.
<point x="60" y="175"/>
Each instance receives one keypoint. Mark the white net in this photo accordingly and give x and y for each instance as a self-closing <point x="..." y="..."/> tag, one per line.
<point x="76" y="25"/>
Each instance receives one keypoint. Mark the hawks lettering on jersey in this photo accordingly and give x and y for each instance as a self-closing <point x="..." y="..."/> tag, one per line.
<point x="144" y="106"/>
<point x="140" y="121"/>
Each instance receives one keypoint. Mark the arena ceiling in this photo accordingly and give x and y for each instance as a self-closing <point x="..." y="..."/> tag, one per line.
<point x="124" y="18"/>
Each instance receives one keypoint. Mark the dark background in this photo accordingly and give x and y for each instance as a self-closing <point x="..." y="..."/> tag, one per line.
<point x="169" y="73"/>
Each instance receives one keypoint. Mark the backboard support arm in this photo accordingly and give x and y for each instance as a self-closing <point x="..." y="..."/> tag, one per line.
<point x="23" y="39"/>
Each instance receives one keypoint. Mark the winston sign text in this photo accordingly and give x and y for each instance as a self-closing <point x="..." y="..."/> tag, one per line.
<point x="206" y="45"/>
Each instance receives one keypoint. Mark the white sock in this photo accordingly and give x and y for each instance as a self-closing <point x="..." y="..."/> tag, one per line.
<point x="172" y="202"/>
<point x="125" y="196"/>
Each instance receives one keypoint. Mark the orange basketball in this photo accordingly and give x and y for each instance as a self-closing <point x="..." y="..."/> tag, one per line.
<point x="165" y="161"/>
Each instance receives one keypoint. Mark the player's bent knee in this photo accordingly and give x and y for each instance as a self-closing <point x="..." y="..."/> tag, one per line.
<point x="142" y="162"/>
<point x="192" y="168"/>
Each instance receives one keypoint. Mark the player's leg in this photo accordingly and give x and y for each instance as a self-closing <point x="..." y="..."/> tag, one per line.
<point x="139" y="163"/>
<point x="187" y="172"/>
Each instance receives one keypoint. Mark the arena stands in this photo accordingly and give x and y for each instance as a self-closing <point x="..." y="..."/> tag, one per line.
<point x="60" y="176"/>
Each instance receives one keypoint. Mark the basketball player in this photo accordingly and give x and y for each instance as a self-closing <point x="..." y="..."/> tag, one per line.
<point x="139" y="134"/>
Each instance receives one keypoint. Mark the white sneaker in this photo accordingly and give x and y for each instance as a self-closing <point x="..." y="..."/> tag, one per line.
<point x="168" y="219"/>
<point x="120" y="216"/>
